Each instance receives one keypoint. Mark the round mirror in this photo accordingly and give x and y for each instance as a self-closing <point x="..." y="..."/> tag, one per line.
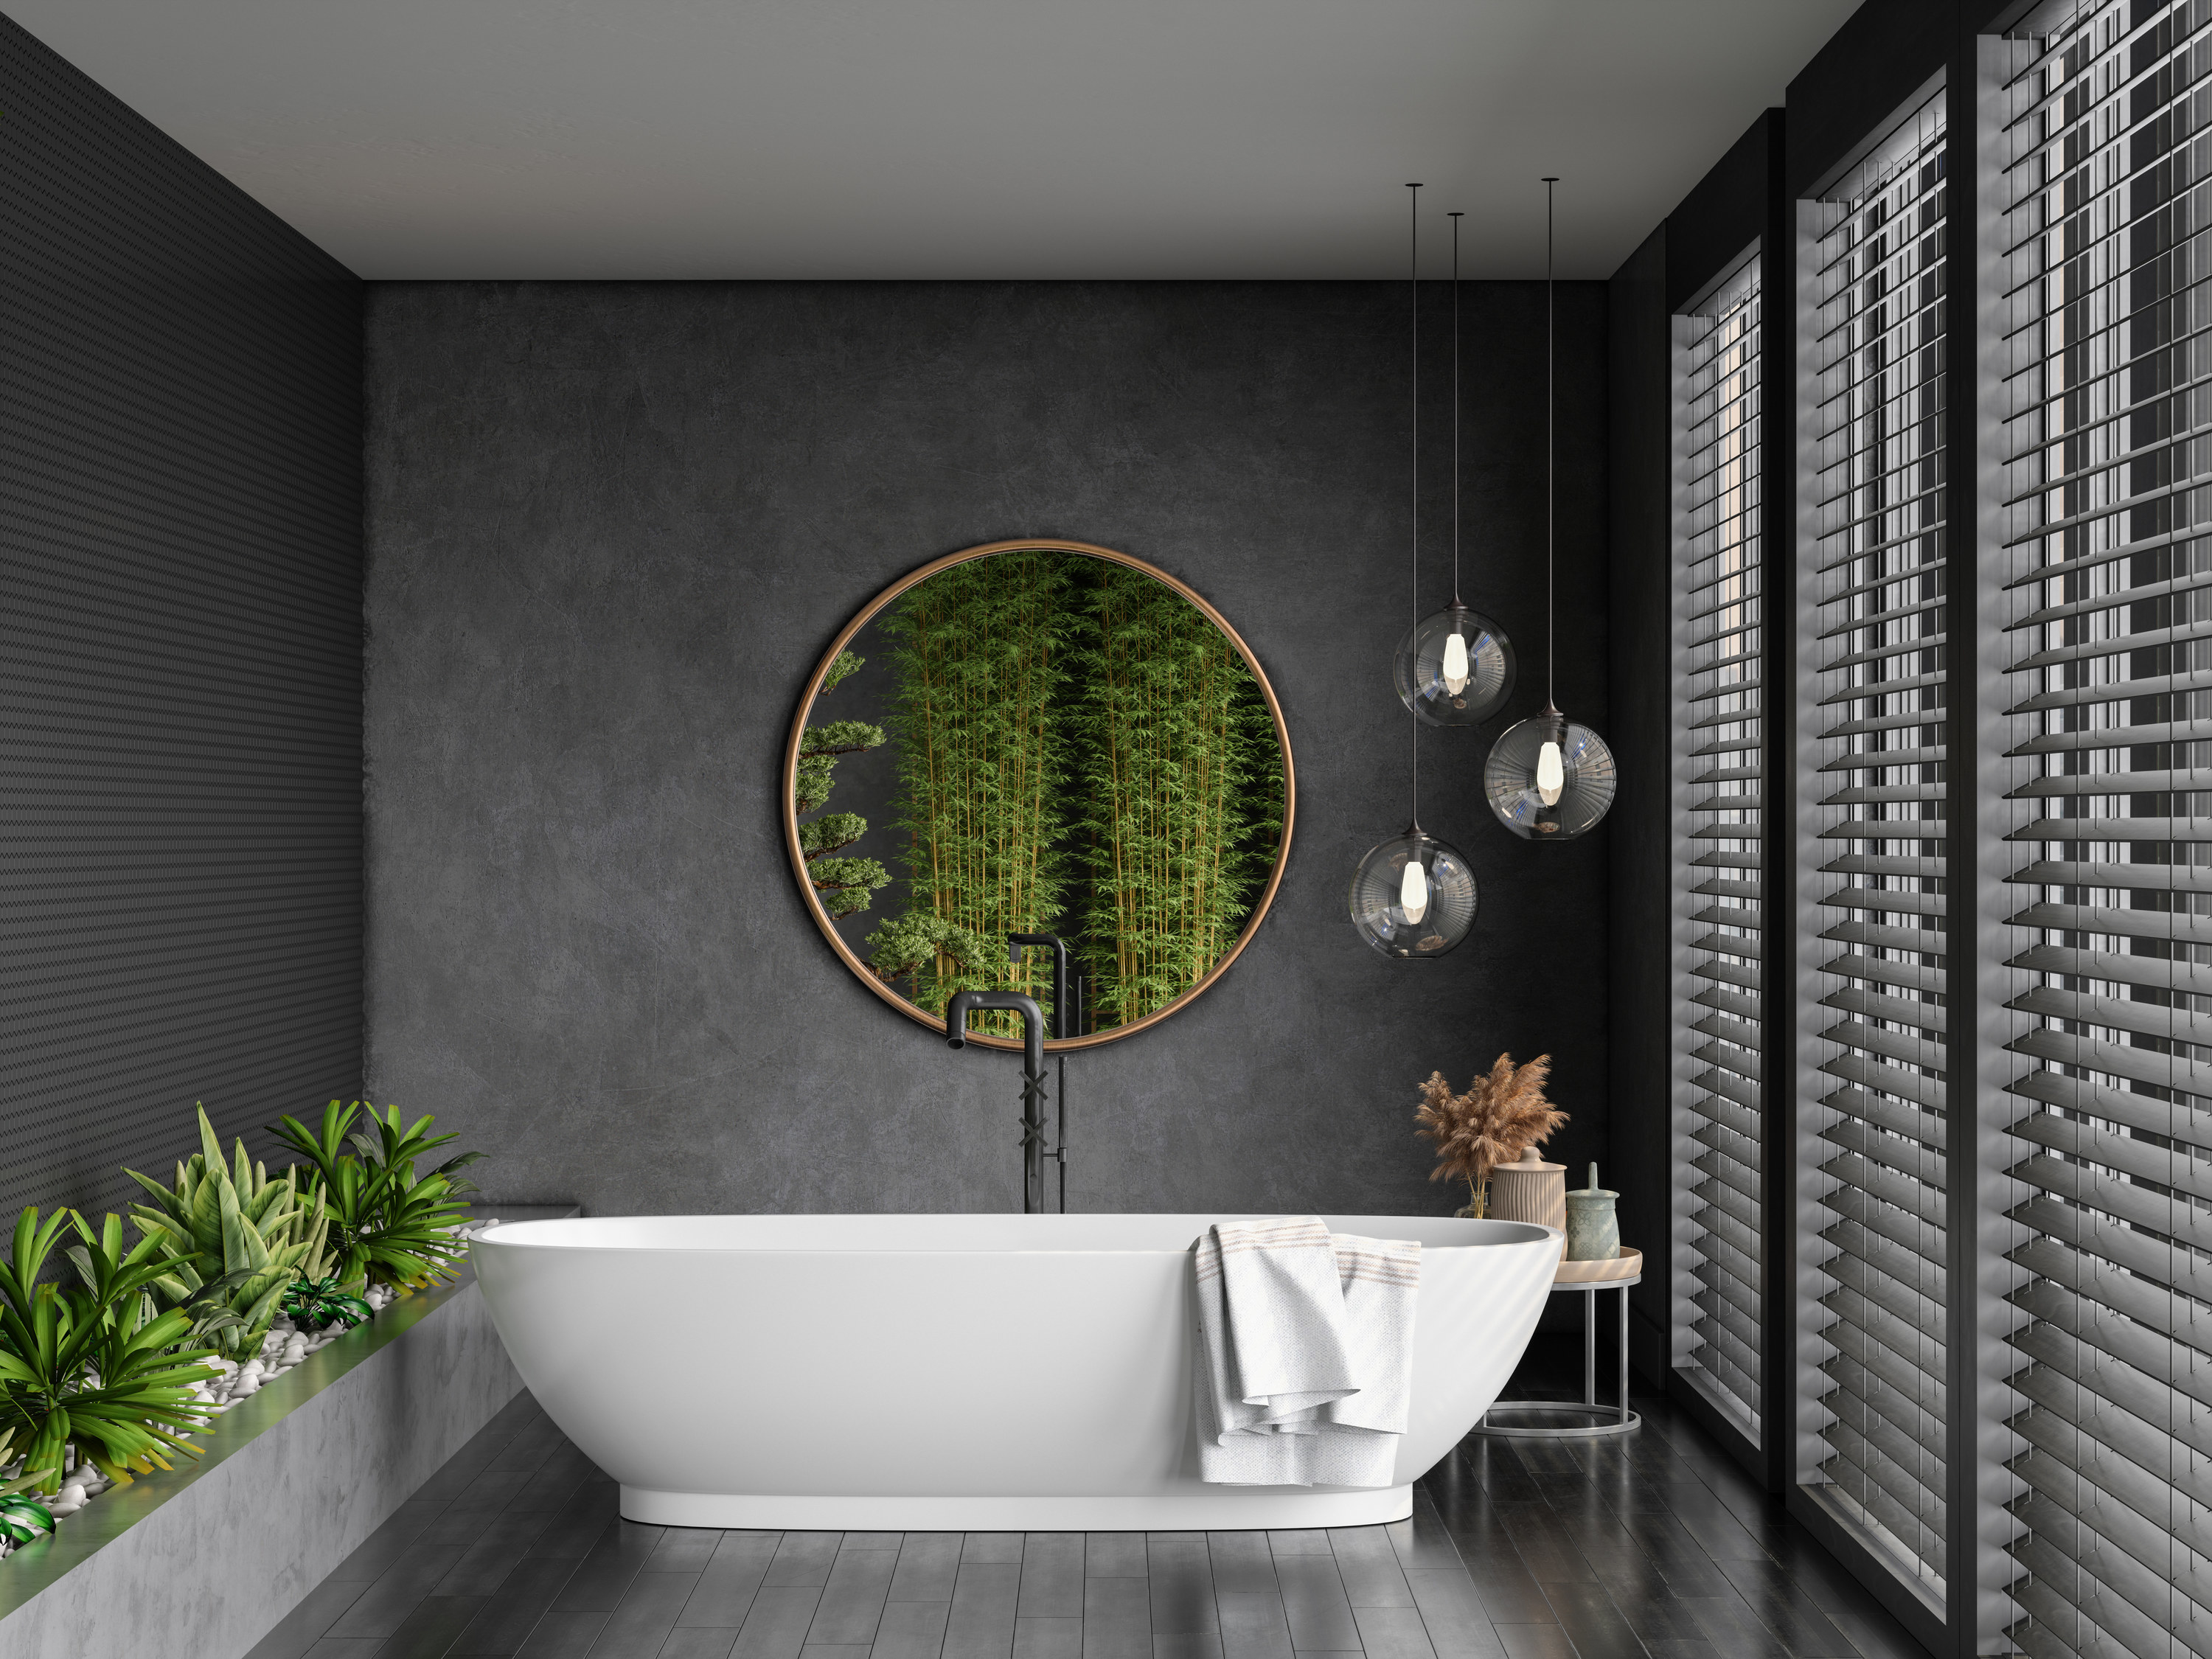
<point x="1045" y="739"/>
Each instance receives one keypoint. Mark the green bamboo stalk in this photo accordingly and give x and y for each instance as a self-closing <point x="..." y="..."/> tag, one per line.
<point x="1081" y="747"/>
<point x="979" y="775"/>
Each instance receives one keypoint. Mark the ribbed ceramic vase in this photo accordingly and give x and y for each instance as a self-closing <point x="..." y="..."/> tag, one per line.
<point x="1530" y="1190"/>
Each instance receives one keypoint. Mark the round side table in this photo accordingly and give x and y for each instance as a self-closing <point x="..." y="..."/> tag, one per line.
<point x="1588" y="1278"/>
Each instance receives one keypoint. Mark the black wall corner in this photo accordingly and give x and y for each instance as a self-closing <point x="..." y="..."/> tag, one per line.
<point x="1724" y="215"/>
<point x="1640" y="965"/>
<point x="1884" y="52"/>
<point x="181" y="635"/>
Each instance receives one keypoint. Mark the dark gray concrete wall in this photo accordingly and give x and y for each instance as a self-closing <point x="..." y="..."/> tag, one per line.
<point x="611" y="527"/>
<point x="180" y="720"/>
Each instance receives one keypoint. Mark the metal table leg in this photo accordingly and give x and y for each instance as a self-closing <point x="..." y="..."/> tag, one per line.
<point x="1589" y="1347"/>
<point x="1624" y="1357"/>
<point x="1623" y="1419"/>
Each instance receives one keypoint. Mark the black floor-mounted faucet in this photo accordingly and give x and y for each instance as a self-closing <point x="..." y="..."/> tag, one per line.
<point x="956" y="1035"/>
<point x="1062" y="987"/>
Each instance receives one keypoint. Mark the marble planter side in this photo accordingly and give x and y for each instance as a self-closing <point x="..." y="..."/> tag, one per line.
<point x="205" y="1560"/>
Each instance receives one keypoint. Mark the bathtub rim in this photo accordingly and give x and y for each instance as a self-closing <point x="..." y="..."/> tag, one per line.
<point x="541" y="1234"/>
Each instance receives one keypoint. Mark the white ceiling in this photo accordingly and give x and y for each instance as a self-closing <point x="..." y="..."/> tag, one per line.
<point x="947" y="138"/>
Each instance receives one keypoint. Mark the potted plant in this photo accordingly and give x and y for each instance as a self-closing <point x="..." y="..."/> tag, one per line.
<point x="1499" y="1120"/>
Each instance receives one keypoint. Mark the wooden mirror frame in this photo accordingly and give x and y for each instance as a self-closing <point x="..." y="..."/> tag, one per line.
<point x="873" y="609"/>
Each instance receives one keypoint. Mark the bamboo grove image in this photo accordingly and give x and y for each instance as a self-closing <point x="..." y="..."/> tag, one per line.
<point x="1077" y="751"/>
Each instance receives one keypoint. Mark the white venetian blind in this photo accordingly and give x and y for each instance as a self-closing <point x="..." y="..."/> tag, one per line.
<point x="2108" y="657"/>
<point x="1718" y="657"/>
<point x="1872" y="821"/>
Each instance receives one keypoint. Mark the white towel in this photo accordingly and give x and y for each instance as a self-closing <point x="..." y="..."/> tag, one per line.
<point x="1305" y="1353"/>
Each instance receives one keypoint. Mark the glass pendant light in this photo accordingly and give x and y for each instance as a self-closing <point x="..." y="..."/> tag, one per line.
<point x="1413" y="898"/>
<point x="1455" y="668"/>
<point x="1550" y="778"/>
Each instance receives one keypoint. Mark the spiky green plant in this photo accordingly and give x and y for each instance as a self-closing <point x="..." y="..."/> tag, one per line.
<point x="9" y="1454"/>
<point x="386" y="1224"/>
<point x="232" y="1227"/>
<point x="93" y="1364"/>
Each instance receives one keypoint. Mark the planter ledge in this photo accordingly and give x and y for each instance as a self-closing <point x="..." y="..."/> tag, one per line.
<point x="206" y="1559"/>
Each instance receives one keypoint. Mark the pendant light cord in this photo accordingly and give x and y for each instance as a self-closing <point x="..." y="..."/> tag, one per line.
<point x="1455" y="219"/>
<point x="1414" y="286"/>
<point x="1550" y="450"/>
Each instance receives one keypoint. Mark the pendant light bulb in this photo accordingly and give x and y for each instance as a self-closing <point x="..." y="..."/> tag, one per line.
<point x="1456" y="670"/>
<point x="1413" y="891"/>
<point x="1413" y="898"/>
<point x="1549" y="778"/>
<point x="1551" y="774"/>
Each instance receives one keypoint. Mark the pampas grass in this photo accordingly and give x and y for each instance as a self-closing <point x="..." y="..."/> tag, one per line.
<point x="1500" y="1119"/>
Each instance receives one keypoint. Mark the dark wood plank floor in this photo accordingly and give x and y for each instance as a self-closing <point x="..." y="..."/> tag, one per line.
<point x="1650" y="1547"/>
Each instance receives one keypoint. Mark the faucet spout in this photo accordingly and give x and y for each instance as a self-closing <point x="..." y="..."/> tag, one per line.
<point x="956" y="1035"/>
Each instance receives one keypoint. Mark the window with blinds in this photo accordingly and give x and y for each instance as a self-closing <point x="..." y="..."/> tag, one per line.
<point x="2108" y="663"/>
<point x="1717" y="634"/>
<point x="1870" y="798"/>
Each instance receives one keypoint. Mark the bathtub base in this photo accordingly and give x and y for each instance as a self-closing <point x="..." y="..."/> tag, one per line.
<point x="1225" y="1509"/>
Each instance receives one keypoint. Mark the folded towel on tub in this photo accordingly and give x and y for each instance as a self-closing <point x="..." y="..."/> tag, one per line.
<point x="1304" y="1368"/>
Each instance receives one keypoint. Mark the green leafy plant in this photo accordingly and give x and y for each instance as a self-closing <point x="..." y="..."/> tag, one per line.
<point x="93" y="1364"/>
<point x="904" y="944"/>
<point x="845" y="884"/>
<point x="23" y="1520"/>
<point x="322" y="1302"/>
<point x="232" y="1240"/>
<point x="386" y="1224"/>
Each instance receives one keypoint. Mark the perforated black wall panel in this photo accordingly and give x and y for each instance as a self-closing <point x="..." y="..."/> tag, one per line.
<point x="180" y="842"/>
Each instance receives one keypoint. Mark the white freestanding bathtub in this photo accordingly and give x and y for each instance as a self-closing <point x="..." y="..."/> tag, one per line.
<point x="948" y="1372"/>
